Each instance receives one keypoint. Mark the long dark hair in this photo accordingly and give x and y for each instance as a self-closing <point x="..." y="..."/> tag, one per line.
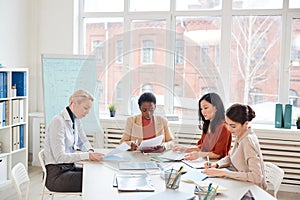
<point x="240" y="113"/>
<point x="216" y="101"/>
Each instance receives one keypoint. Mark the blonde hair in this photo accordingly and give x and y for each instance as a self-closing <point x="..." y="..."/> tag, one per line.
<point x="79" y="96"/>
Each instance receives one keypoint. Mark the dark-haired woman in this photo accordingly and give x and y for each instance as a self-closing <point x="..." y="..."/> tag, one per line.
<point x="245" y="161"/>
<point x="147" y="125"/>
<point x="215" y="141"/>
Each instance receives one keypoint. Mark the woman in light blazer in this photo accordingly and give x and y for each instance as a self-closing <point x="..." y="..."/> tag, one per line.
<point x="146" y="125"/>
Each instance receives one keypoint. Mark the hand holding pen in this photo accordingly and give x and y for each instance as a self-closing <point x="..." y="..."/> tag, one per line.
<point x="134" y="145"/>
<point x="209" y="164"/>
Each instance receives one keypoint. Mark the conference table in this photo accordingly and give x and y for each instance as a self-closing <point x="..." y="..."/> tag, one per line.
<point x="98" y="179"/>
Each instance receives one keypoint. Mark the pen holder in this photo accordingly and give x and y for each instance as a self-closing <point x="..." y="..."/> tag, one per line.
<point x="206" y="194"/>
<point x="210" y="195"/>
<point x="172" y="179"/>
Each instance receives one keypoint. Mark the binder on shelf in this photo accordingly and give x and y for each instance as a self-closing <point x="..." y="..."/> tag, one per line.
<point x="19" y="79"/>
<point x="4" y="113"/>
<point x="4" y="85"/>
<point x="7" y="113"/>
<point x="14" y="138"/>
<point x="15" y="111"/>
<point x="278" y="116"/>
<point x="18" y="137"/>
<point x="1" y="84"/>
<point x="287" y="120"/>
<point x="21" y="133"/>
<point x="21" y="110"/>
<point x="1" y="116"/>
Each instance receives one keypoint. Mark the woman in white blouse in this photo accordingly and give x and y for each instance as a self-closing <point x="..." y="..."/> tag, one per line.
<point x="245" y="161"/>
<point x="64" y="135"/>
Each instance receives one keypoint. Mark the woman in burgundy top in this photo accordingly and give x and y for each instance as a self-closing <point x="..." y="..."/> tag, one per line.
<point x="215" y="141"/>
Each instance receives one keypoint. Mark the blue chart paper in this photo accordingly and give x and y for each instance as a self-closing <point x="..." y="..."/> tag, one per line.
<point x="62" y="75"/>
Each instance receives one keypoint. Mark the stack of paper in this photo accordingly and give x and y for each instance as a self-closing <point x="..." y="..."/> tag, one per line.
<point x="115" y="153"/>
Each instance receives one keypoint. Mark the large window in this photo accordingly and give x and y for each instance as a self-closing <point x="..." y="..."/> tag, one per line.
<point x="248" y="51"/>
<point x="255" y="60"/>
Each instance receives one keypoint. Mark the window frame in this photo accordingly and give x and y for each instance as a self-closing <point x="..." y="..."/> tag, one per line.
<point x="226" y="13"/>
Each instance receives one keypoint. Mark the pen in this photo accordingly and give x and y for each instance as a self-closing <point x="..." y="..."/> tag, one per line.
<point x="209" y="187"/>
<point x="208" y="163"/>
<point x="168" y="182"/>
<point x="208" y="192"/>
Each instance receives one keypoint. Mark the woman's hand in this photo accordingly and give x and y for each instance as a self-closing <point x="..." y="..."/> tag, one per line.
<point x="214" y="172"/>
<point x="95" y="156"/>
<point x="191" y="156"/>
<point x="179" y="148"/>
<point x="210" y="165"/>
<point x="134" y="146"/>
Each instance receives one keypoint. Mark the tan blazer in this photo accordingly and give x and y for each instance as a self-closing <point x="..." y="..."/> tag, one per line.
<point x="134" y="130"/>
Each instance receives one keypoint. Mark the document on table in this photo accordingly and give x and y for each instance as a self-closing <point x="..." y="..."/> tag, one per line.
<point x="196" y="164"/>
<point x="152" y="142"/>
<point x="120" y="149"/>
<point x="134" y="183"/>
<point x="194" y="176"/>
<point x="172" y="155"/>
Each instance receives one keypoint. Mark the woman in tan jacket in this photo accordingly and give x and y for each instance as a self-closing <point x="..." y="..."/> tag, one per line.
<point x="146" y="125"/>
<point x="245" y="161"/>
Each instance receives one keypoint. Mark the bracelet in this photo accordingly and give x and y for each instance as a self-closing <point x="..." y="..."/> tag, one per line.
<point x="91" y="150"/>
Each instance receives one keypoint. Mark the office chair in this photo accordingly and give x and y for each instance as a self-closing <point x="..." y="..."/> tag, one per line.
<point x="20" y="177"/>
<point x="274" y="176"/>
<point x="41" y="158"/>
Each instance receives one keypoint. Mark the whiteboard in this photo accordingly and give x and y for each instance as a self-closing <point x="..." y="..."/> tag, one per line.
<point x="62" y="75"/>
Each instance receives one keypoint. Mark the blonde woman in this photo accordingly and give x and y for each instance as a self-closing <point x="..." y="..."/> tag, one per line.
<point x="64" y="135"/>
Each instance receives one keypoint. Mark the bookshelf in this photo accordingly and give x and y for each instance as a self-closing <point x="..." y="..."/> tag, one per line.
<point x="13" y="120"/>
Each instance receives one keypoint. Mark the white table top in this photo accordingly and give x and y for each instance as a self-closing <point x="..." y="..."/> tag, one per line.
<point x="98" y="182"/>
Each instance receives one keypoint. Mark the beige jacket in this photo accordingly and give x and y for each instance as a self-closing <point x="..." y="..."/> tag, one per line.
<point x="245" y="160"/>
<point x="134" y="130"/>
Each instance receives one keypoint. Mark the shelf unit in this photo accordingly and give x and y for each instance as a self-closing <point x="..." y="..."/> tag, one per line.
<point x="13" y="120"/>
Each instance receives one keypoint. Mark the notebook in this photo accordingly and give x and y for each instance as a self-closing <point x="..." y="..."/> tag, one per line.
<point x="196" y="164"/>
<point x="194" y="176"/>
<point x="172" y="155"/>
<point x="137" y="165"/>
<point x="133" y="183"/>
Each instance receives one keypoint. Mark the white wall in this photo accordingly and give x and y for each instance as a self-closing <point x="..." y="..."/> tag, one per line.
<point x="54" y="35"/>
<point x="29" y="28"/>
<point x="14" y="33"/>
